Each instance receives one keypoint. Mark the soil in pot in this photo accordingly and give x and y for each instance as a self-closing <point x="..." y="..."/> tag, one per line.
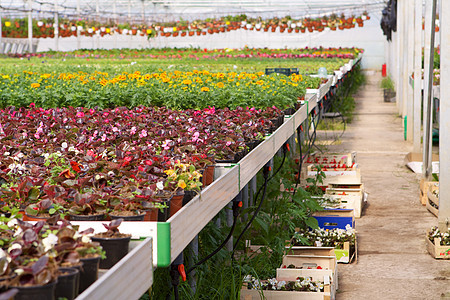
<point x="38" y="292"/>
<point x="127" y="216"/>
<point x="88" y="272"/>
<point x="99" y="217"/>
<point x="115" y="247"/>
<point x="68" y="283"/>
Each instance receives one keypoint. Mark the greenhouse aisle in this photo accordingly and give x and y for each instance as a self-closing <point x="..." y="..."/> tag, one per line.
<point x="393" y="262"/>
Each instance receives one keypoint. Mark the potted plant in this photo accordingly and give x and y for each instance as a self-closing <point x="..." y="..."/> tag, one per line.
<point x="113" y="242"/>
<point x="388" y="89"/>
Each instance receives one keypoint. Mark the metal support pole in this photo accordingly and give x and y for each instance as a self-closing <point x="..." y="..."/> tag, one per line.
<point x="143" y="12"/>
<point x="252" y="191"/>
<point x="129" y="22"/>
<point x="409" y="71"/>
<point x="1" y="30"/>
<point x="56" y="26"/>
<point x="417" y="74"/>
<point x="404" y="70"/>
<point x="192" y="279"/>
<point x="245" y="200"/>
<point x="428" y="85"/>
<point x="444" y="126"/>
<point x="78" y="30"/>
<point x="229" y="212"/>
<point x="97" y="34"/>
<point x="400" y="38"/>
<point x="30" y="27"/>
<point x="115" y="22"/>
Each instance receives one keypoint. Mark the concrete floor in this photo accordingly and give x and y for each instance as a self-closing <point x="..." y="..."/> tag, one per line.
<point x="393" y="262"/>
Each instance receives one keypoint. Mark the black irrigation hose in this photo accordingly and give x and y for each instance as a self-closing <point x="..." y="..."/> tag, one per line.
<point x="264" y="186"/>
<point x="230" y="234"/>
<point x="253" y="217"/>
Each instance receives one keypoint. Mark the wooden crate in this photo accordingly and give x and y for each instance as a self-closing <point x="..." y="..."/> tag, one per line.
<point x="424" y="187"/>
<point x="436" y="250"/>
<point x="283" y="295"/>
<point x="346" y="255"/>
<point x="349" y="199"/>
<point x="325" y="276"/>
<point x="432" y="201"/>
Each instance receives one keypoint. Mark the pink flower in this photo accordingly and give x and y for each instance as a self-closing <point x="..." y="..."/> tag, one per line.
<point x="228" y="143"/>
<point x="143" y="133"/>
<point x="133" y="130"/>
<point x="32" y="105"/>
<point x="103" y="137"/>
<point x="166" y="145"/>
<point x="80" y="114"/>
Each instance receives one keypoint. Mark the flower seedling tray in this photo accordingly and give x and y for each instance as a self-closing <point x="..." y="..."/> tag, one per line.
<point x="432" y="200"/>
<point x="349" y="199"/>
<point x="436" y="249"/>
<point x="347" y="158"/>
<point x="247" y="294"/>
<point x="424" y="187"/>
<point x="353" y="171"/>
<point x="335" y="218"/>
<point x="326" y="276"/>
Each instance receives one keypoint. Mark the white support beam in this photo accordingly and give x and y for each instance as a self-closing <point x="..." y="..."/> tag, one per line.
<point x="409" y="71"/>
<point x="444" y="126"/>
<point x="56" y="26"/>
<point x="30" y="27"/>
<point x="400" y="38"/>
<point x="417" y="75"/>
<point x="404" y="70"/>
<point x="426" y="78"/>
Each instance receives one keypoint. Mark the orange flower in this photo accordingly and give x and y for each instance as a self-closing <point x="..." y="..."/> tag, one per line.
<point x="220" y="85"/>
<point x="35" y="85"/>
<point x="205" y="89"/>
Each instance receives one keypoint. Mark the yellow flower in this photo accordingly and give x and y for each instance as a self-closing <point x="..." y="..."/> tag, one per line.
<point x="7" y="24"/>
<point x="169" y="172"/>
<point x="182" y="184"/>
<point x="220" y="85"/>
<point x="108" y="30"/>
<point x="149" y="31"/>
<point x="187" y="81"/>
<point x="205" y="89"/>
<point x="35" y="85"/>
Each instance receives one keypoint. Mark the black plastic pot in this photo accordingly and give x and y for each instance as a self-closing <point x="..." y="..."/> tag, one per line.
<point x="129" y="218"/>
<point x="68" y="283"/>
<point x="164" y="214"/>
<point x="115" y="249"/>
<point x="40" y="292"/>
<point x="88" y="272"/>
<point x="100" y="217"/>
<point x="188" y="195"/>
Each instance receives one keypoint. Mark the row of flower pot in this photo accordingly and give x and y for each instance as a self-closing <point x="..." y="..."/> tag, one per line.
<point x="18" y="28"/>
<point x="49" y="260"/>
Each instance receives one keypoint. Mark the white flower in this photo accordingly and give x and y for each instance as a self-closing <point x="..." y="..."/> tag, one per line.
<point x="12" y="223"/>
<point x="281" y="284"/>
<point x="76" y="235"/>
<point x="2" y="253"/>
<point x="85" y="239"/>
<point x="14" y="246"/>
<point x="18" y="231"/>
<point x="6" y="153"/>
<point x="19" y="271"/>
<point x="160" y="185"/>
<point x="64" y="145"/>
<point x="49" y="242"/>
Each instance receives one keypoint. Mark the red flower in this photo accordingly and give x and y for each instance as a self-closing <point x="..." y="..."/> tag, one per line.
<point x="75" y="166"/>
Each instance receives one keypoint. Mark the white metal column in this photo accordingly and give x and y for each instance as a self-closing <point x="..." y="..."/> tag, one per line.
<point x="30" y="27"/>
<point x="400" y="39"/>
<point x="430" y="15"/>
<point x="404" y="69"/>
<point x="56" y="27"/>
<point x="444" y="126"/>
<point x="78" y="27"/>
<point x="409" y="70"/>
<point x="417" y="74"/>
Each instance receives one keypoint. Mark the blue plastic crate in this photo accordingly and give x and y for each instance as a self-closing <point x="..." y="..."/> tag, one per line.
<point x="335" y="218"/>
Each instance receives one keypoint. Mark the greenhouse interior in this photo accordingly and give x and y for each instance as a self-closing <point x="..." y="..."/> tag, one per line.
<point x="240" y="149"/>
